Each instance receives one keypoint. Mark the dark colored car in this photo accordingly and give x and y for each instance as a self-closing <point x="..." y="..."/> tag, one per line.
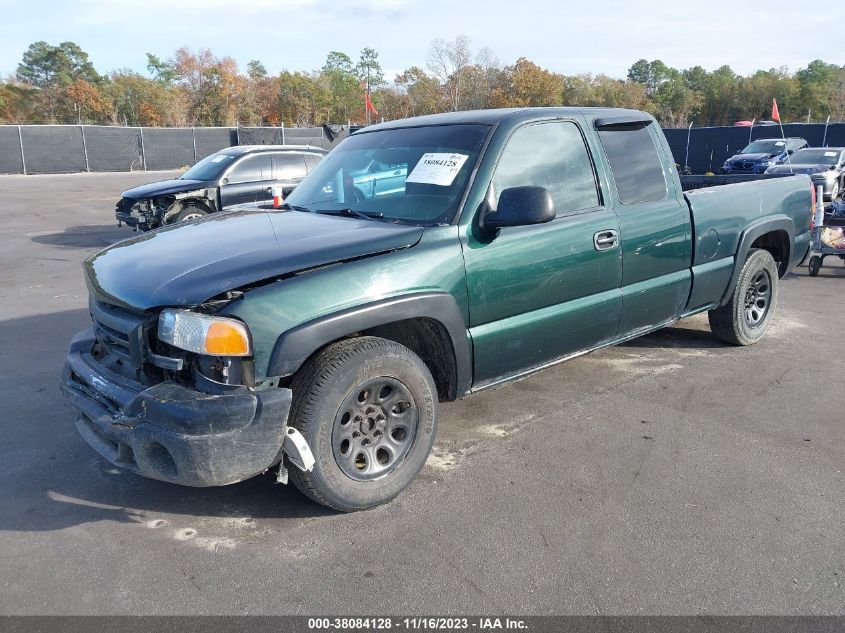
<point x="233" y="176"/>
<point x="824" y="165"/>
<point x="761" y="154"/>
<point x="320" y="338"/>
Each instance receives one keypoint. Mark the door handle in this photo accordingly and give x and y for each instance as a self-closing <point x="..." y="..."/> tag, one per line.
<point x="606" y="240"/>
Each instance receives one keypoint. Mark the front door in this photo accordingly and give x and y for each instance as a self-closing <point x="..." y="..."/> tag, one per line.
<point x="538" y="293"/>
<point x="243" y="183"/>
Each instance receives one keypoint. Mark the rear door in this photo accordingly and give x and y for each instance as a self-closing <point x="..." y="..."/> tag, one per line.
<point x="288" y="168"/>
<point x="538" y="293"/>
<point x="654" y="224"/>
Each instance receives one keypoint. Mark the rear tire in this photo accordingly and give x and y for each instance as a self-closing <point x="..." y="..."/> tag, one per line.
<point x="747" y="316"/>
<point x="367" y="407"/>
<point x="815" y="265"/>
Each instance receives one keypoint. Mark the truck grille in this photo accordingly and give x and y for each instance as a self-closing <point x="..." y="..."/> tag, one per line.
<point x="122" y="338"/>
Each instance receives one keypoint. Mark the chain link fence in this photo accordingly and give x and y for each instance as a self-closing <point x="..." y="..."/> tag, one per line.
<point x="59" y="149"/>
<point x="710" y="147"/>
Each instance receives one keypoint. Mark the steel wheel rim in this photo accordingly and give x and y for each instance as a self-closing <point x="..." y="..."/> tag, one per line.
<point x="758" y="298"/>
<point x="191" y="216"/>
<point x="374" y="429"/>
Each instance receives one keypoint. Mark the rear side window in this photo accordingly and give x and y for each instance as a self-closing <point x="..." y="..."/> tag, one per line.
<point x="311" y="161"/>
<point x="289" y="166"/>
<point x="635" y="163"/>
<point x="550" y="155"/>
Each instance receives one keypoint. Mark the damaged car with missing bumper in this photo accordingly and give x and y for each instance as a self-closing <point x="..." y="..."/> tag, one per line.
<point x="319" y="338"/>
<point x="242" y="175"/>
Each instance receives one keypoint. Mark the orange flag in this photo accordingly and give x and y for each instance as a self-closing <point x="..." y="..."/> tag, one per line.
<point x="369" y="104"/>
<point x="775" y="113"/>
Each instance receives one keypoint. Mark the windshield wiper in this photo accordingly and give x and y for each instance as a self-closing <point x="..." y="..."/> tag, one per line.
<point x="352" y="213"/>
<point x="294" y="207"/>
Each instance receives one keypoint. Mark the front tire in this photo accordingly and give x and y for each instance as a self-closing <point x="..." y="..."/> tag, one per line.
<point x="189" y="213"/>
<point x="747" y="316"/>
<point x="368" y="409"/>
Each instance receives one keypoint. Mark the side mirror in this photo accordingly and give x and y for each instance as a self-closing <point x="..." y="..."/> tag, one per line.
<point x="520" y="206"/>
<point x="225" y="181"/>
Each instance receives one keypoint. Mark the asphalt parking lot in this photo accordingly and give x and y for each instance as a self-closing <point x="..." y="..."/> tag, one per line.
<point x="670" y="475"/>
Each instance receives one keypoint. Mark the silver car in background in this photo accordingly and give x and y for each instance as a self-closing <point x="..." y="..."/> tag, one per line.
<point x="824" y="165"/>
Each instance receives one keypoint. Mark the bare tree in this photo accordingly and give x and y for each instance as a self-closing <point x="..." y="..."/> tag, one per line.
<point x="447" y="60"/>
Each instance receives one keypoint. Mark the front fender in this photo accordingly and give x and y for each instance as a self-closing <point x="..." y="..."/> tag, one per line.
<point x="293" y="347"/>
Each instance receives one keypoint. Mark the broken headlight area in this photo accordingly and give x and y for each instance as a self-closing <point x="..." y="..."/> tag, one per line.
<point x="209" y="374"/>
<point x="143" y="214"/>
<point x="217" y="351"/>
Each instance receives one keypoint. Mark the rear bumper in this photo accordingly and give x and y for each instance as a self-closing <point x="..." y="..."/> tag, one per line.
<point x="169" y="432"/>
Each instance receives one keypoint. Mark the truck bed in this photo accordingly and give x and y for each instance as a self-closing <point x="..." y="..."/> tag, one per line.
<point x="688" y="183"/>
<point x="723" y="216"/>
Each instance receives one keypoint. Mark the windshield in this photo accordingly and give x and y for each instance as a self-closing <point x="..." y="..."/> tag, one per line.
<point x="408" y="175"/>
<point x="209" y="168"/>
<point x="816" y="157"/>
<point x="764" y="147"/>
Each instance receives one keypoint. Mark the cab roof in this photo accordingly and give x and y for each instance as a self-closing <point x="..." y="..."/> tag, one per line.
<point x="240" y="150"/>
<point x="500" y="115"/>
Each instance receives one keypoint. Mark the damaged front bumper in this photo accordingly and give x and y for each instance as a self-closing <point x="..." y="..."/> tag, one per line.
<point x="138" y="214"/>
<point x="172" y="433"/>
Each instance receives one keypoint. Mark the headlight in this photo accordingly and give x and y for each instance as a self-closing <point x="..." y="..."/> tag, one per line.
<point x="201" y="334"/>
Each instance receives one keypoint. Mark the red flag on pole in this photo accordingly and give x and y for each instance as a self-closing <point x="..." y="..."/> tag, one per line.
<point x="775" y="113"/>
<point x="369" y="104"/>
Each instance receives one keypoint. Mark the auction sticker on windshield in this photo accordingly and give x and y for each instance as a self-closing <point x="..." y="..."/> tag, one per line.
<point x="437" y="168"/>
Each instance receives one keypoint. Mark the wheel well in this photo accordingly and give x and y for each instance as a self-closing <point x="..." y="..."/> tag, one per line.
<point x="429" y="340"/>
<point x="777" y="243"/>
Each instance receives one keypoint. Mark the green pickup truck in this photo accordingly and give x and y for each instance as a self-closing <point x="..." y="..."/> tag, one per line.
<point x="319" y="338"/>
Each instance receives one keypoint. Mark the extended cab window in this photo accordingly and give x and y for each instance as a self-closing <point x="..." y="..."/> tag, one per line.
<point x="635" y="163"/>
<point x="550" y="155"/>
<point x="248" y="170"/>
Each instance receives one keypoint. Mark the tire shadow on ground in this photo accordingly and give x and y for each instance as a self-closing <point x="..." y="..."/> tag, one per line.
<point x="87" y="236"/>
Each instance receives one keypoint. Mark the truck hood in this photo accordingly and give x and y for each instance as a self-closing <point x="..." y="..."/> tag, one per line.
<point x="186" y="264"/>
<point x="164" y="187"/>
<point x="797" y="169"/>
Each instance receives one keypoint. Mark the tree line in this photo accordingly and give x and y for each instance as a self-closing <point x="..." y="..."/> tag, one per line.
<point x="59" y="84"/>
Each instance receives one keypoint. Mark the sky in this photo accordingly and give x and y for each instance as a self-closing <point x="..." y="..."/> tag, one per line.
<point x="569" y="38"/>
